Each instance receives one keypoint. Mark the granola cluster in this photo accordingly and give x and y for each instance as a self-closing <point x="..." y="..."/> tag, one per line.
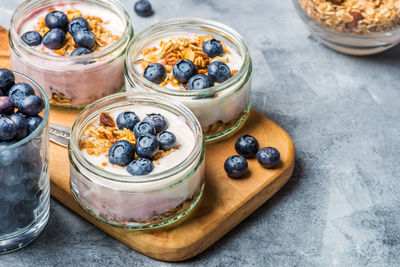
<point x="354" y="16"/>
<point x="103" y="37"/>
<point x="169" y="52"/>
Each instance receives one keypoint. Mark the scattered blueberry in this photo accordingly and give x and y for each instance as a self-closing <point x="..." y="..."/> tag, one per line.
<point x="128" y="120"/>
<point x="7" y="80"/>
<point x="21" y="124"/>
<point x="155" y="72"/>
<point x="213" y="48"/>
<point x="77" y="24"/>
<point x="54" y="39"/>
<point x="84" y="38"/>
<point x="167" y="140"/>
<point x="6" y="105"/>
<point x="146" y="146"/>
<point x="144" y="127"/>
<point x="219" y="71"/>
<point x="8" y="129"/>
<point x="200" y="81"/>
<point x="31" y="105"/>
<point x="247" y="146"/>
<point x="183" y="70"/>
<point x="157" y="120"/>
<point x="56" y="19"/>
<point x="32" y="38"/>
<point x="81" y="51"/>
<point x="143" y="8"/>
<point x="121" y="153"/>
<point x="236" y="166"/>
<point x="141" y="166"/>
<point x="33" y="122"/>
<point x="268" y="157"/>
<point x="19" y="91"/>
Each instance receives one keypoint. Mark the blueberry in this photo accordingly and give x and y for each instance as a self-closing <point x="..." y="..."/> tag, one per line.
<point x="183" y="70"/>
<point x="6" y="105"/>
<point x="31" y="105"/>
<point x="32" y="38"/>
<point x="54" y="39"/>
<point x="157" y="120"/>
<point x="200" y="81"/>
<point x="21" y="124"/>
<point x="219" y="71"/>
<point x="77" y="24"/>
<point x="84" y="38"/>
<point x="8" y="129"/>
<point x="56" y="19"/>
<point x="146" y="146"/>
<point x="213" y="48"/>
<point x="155" y="72"/>
<point x="268" y="157"/>
<point x="143" y="127"/>
<point x="143" y="8"/>
<point x="167" y="140"/>
<point x="33" y="122"/>
<point x="7" y="156"/>
<point x="19" y="91"/>
<point x="80" y="51"/>
<point x="140" y="166"/>
<point x="7" y="79"/>
<point x="247" y="146"/>
<point x="235" y="166"/>
<point x="121" y="153"/>
<point x="128" y="120"/>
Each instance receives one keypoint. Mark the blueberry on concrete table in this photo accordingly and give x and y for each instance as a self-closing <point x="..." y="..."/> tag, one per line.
<point x="31" y="105"/>
<point x="21" y="124"/>
<point x="56" y="19"/>
<point x="127" y="120"/>
<point x="219" y="71"/>
<point x="33" y="122"/>
<point x="8" y="129"/>
<point x="84" y="38"/>
<point x="167" y="140"/>
<point x="143" y="8"/>
<point x="146" y="146"/>
<point x="183" y="70"/>
<point x="268" y="157"/>
<point x="32" y="38"/>
<point x="247" y="146"/>
<point x="54" y="39"/>
<point x="78" y="24"/>
<point x="213" y="48"/>
<point x="121" y="153"/>
<point x="200" y="81"/>
<point x="80" y="51"/>
<point x="19" y="91"/>
<point x="157" y="120"/>
<point x="141" y="166"/>
<point x="144" y="127"/>
<point x="7" y="80"/>
<point x="235" y="166"/>
<point x="155" y="72"/>
<point x="6" y="105"/>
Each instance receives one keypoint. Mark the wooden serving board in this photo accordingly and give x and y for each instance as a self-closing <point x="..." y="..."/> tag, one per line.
<point x="225" y="203"/>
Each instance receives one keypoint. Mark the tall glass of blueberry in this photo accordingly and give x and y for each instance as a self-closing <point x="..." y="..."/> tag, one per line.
<point x="24" y="178"/>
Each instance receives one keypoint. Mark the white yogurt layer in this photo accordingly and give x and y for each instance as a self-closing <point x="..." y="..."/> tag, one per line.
<point x="176" y="125"/>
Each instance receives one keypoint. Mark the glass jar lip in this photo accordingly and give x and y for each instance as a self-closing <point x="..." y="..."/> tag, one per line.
<point x="44" y="120"/>
<point x="14" y="38"/>
<point x="198" y="149"/>
<point x="134" y="77"/>
<point x="316" y="26"/>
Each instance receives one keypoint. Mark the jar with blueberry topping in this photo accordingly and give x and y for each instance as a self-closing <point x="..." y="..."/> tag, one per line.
<point x="24" y="177"/>
<point x="137" y="161"/>
<point x="74" y="49"/>
<point x="201" y="63"/>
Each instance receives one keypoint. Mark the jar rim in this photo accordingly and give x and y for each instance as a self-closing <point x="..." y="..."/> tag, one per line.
<point x="118" y="8"/>
<point x="42" y="124"/>
<point x="86" y="116"/>
<point x="133" y="77"/>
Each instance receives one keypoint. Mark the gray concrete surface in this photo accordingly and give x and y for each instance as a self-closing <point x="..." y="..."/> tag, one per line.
<point x="341" y="206"/>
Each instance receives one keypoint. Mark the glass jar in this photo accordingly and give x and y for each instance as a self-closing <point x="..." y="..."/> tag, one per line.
<point x="24" y="182"/>
<point x="71" y="82"/>
<point x="344" y="29"/>
<point x="137" y="202"/>
<point x="221" y="109"/>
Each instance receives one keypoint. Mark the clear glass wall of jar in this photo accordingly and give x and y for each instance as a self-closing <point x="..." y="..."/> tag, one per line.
<point x="71" y="82"/>
<point x="24" y="182"/>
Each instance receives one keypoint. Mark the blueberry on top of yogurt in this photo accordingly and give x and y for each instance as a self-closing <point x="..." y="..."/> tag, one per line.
<point x="155" y="72"/>
<point x="81" y="51"/>
<point x="146" y="146"/>
<point x="140" y="166"/>
<point x="54" y="39"/>
<point x="157" y="120"/>
<point x="183" y="70"/>
<point x="200" y="81"/>
<point x="32" y="38"/>
<point x="121" y="153"/>
<point x="78" y="24"/>
<point x="56" y="19"/>
<point x="167" y="140"/>
<point x="84" y="38"/>
<point x="219" y="71"/>
<point x="127" y="120"/>
<point x="144" y="127"/>
<point x="213" y="48"/>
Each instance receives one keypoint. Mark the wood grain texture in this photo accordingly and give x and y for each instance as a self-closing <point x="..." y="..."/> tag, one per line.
<point x="225" y="203"/>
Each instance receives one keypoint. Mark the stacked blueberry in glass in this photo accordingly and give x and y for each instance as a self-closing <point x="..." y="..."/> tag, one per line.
<point x="151" y="136"/>
<point x="185" y="70"/>
<point x="59" y="25"/>
<point x="20" y="166"/>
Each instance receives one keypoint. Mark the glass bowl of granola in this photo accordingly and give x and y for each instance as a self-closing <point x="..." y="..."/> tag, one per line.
<point x="73" y="48"/>
<point x="352" y="27"/>
<point x="137" y="161"/>
<point x="201" y="63"/>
